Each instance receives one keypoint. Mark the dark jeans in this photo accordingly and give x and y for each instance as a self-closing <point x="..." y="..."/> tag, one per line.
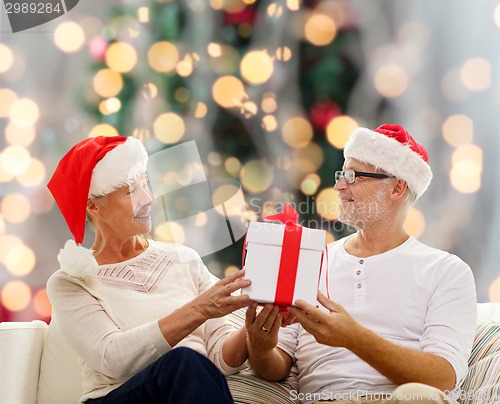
<point x="180" y="376"/>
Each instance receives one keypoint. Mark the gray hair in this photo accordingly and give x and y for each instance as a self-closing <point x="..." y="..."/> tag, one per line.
<point x="411" y="196"/>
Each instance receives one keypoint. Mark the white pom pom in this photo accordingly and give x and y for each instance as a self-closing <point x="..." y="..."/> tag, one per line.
<point x="77" y="261"/>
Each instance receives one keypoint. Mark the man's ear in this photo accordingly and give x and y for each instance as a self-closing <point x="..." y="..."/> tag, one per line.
<point x="399" y="189"/>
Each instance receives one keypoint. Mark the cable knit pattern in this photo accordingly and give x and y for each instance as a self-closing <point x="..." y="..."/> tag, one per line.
<point x="142" y="274"/>
<point x="112" y="323"/>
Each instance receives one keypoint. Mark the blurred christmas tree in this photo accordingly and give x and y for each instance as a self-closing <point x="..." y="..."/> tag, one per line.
<point x="262" y="86"/>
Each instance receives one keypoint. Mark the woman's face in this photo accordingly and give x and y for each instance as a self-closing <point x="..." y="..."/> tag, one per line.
<point x="126" y="212"/>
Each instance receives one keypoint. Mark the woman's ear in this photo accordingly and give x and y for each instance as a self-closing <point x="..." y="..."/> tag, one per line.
<point x="399" y="189"/>
<point x="92" y="207"/>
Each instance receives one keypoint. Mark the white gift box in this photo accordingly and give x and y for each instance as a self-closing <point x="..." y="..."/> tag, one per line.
<point x="264" y="244"/>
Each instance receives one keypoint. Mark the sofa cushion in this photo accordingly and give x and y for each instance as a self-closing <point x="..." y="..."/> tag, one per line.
<point x="486" y="341"/>
<point x="490" y="310"/>
<point x="247" y="388"/>
<point x="482" y="383"/>
<point x="20" y="349"/>
<point x="60" y="379"/>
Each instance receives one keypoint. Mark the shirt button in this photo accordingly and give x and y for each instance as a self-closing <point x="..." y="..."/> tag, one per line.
<point x="358" y="272"/>
<point x="361" y="261"/>
<point x="359" y="286"/>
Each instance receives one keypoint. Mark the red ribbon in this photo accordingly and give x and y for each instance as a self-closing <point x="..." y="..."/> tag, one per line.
<point x="289" y="255"/>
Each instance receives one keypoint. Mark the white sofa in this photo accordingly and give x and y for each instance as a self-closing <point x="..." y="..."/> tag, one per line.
<point x="37" y="366"/>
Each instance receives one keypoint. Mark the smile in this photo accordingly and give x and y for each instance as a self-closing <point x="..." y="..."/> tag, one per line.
<point x="143" y="215"/>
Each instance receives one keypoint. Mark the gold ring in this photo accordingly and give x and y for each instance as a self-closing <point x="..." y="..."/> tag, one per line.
<point x="266" y="329"/>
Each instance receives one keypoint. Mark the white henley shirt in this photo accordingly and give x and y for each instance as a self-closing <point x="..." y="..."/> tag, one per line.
<point x="415" y="296"/>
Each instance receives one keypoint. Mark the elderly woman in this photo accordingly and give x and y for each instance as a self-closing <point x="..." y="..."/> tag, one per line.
<point x="127" y="302"/>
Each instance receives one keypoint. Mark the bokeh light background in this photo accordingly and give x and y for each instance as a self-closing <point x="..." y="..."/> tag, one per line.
<point x="432" y="66"/>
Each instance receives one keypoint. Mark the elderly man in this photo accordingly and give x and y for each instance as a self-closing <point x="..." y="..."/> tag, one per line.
<point x="401" y="318"/>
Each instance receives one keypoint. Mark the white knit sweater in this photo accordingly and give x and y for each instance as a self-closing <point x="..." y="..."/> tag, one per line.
<point x="112" y="322"/>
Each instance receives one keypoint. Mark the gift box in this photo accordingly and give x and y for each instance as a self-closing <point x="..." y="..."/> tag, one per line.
<point x="283" y="261"/>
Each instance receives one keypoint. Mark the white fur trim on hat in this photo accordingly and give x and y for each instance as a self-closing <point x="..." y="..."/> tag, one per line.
<point x="118" y="167"/>
<point x="77" y="261"/>
<point x="391" y="156"/>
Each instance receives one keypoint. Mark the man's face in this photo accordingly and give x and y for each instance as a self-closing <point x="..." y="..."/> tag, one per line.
<point x="364" y="202"/>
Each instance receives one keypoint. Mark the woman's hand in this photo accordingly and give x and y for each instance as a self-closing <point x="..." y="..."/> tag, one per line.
<point x="262" y="328"/>
<point x="268" y="361"/>
<point x="218" y="301"/>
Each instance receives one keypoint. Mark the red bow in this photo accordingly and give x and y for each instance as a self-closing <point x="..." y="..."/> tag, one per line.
<point x="290" y="252"/>
<point x="289" y="215"/>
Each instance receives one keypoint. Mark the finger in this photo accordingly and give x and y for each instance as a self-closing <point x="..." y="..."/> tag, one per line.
<point x="326" y="302"/>
<point x="292" y="317"/>
<point x="243" y="300"/>
<point x="301" y="304"/>
<point x="318" y="315"/>
<point x="308" y="322"/>
<point x="250" y="314"/>
<point x="271" y="318"/>
<point x="276" y="325"/>
<point x="237" y="306"/>
<point x="237" y="284"/>
<point x="297" y="313"/>
<point x="289" y="319"/>
<point x="263" y="315"/>
<point x="231" y="278"/>
<point x="303" y="315"/>
<point x="310" y="309"/>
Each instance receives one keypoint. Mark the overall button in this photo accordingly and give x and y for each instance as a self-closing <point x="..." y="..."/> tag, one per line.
<point x="358" y="272"/>
<point x="359" y="285"/>
<point x="361" y="261"/>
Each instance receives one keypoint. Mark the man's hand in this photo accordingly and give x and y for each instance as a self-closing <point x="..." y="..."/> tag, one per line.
<point x="334" y="329"/>
<point x="218" y="300"/>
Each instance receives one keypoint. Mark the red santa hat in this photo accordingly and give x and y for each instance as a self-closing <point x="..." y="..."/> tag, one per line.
<point x="93" y="167"/>
<point x="391" y="148"/>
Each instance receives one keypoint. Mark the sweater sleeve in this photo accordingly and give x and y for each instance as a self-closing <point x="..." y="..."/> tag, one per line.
<point x="288" y="339"/>
<point x="217" y="330"/>
<point x="89" y="330"/>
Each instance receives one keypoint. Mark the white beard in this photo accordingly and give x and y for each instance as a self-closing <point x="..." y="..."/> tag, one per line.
<point x="364" y="213"/>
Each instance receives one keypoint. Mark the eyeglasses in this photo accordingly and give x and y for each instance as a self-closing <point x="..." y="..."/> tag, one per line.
<point x="351" y="175"/>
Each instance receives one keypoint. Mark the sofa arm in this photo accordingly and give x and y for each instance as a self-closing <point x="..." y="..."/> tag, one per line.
<point x="21" y="347"/>
<point x="489" y="310"/>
